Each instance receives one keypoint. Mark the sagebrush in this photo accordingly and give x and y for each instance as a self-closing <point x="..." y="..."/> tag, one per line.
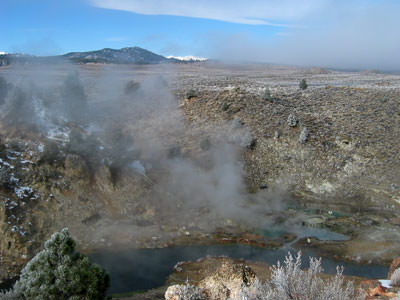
<point x="395" y="278"/>
<point x="289" y="281"/>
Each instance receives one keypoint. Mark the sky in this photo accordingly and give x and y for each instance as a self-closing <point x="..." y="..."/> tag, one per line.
<point x="329" y="33"/>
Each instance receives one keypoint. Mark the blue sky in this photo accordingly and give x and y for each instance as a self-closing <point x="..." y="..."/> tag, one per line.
<point x="352" y="33"/>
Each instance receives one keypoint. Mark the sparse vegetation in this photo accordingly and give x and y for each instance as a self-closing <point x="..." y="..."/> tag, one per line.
<point x="58" y="272"/>
<point x="131" y="87"/>
<point x="3" y="89"/>
<point x="289" y="281"/>
<point x="5" y="177"/>
<point x="74" y="100"/>
<point x="303" y="135"/>
<point x="20" y="109"/>
<point x="292" y="120"/>
<point x="51" y="153"/>
<point x="86" y="146"/>
<point x="303" y="84"/>
<point x="395" y="278"/>
<point x="191" y="94"/>
<point x="224" y="106"/>
<point x="267" y="95"/>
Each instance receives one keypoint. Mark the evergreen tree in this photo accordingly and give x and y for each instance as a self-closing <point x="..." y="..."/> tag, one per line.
<point x="59" y="272"/>
<point x="303" y="84"/>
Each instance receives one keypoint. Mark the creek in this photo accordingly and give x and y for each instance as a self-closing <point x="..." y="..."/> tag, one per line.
<point x="142" y="269"/>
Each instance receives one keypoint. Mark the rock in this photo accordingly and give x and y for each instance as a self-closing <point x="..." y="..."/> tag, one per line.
<point x="184" y="292"/>
<point x="227" y="281"/>
<point x="381" y="291"/>
<point x="393" y="266"/>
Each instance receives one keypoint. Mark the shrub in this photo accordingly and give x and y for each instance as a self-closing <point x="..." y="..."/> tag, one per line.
<point x="5" y="177"/>
<point x="84" y="145"/>
<point x="51" y="153"/>
<point x="292" y="120"/>
<point x="74" y="99"/>
<point x="191" y="94"/>
<point x="10" y="295"/>
<point x="267" y="95"/>
<point x="20" y="109"/>
<point x="303" y="84"/>
<point x="58" y="272"/>
<point x="3" y="90"/>
<point x="395" y="278"/>
<point x="131" y="87"/>
<point x="288" y="281"/>
<point x="303" y="135"/>
<point x="224" y="106"/>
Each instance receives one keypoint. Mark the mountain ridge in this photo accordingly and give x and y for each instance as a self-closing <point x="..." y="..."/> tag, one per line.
<point x="126" y="55"/>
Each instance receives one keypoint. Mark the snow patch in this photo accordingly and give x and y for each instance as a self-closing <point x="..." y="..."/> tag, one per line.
<point x="187" y="58"/>
<point x="23" y="191"/>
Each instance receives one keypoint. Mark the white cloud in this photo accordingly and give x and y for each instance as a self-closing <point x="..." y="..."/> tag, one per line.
<point x="256" y="12"/>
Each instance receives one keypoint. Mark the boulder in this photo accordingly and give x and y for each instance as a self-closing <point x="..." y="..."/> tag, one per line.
<point x="227" y="281"/>
<point x="184" y="292"/>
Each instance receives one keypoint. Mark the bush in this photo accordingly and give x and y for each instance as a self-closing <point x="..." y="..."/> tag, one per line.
<point x="191" y="94"/>
<point x="5" y="177"/>
<point x="288" y="281"/>
<point x="131" y="87"/>
<point x="3" y="90"/>
<point x="267" y="95"/>
<point x="292" y="120"/>
<point x="51" y="153"/>
<point x="74" y="99"/>
<point x="58" y="272"/>
<point x="20" y="109"/>
<point x="303" y="84"/>
<point x="395" y="278"/>
<point x="303" y="135"/>
<point x="10" y="295"/>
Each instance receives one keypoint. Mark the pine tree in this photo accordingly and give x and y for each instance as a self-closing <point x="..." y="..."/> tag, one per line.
<point x="303" y="84"/>
<point x="59" y="272"/>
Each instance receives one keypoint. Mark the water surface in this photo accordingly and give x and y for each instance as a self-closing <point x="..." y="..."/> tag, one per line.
<point x="142" y="269"/>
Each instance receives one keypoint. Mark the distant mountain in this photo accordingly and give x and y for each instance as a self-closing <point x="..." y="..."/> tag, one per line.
<point x="128" y="55"/>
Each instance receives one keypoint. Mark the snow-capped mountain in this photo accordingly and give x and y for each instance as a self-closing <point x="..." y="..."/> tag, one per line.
<point x="188" y="58"/>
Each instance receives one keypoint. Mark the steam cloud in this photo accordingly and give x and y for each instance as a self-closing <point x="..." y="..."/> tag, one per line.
<point x="138" y="125"/>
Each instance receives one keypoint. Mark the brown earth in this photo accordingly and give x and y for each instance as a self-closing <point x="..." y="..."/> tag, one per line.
<point x="349" y="163"/>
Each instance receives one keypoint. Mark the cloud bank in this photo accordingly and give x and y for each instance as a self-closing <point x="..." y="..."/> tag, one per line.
<point x="235" y="11"/>
<point x="340" y="34"/>
<point x="348" y="37"/>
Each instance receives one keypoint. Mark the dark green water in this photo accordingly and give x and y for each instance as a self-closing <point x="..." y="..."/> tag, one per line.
<point x="148" y="268"/>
